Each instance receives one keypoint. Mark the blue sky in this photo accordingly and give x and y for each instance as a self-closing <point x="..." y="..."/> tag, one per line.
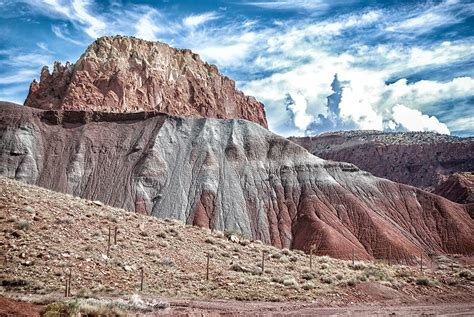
<point x="401" y="65"/>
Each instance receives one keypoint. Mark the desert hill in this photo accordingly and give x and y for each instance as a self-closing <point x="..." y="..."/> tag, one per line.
<point x="229" y="175"/>
<point x="46" y="234"/>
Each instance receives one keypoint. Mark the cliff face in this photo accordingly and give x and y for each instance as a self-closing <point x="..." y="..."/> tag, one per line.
<point x="124" y="74"/>
<point x="459" y="187"/>
<point x="228" y="175"/>
<point x="419" y="159"/>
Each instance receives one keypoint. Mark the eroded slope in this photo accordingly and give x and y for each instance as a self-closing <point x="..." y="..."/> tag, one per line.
<point x="229" y="175"/>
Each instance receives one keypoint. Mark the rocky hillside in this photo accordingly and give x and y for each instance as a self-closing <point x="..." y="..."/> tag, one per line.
<point x="229" y="175"/>
<point x="459" y="187"/>
<point x="422" y="159"/>
<point x="126" y="74"/>
<point x="45" y="235"/>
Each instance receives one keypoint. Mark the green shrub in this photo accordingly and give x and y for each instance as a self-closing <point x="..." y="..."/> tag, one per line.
<point x="423" y="281"/>
<point x="23" y="225"/>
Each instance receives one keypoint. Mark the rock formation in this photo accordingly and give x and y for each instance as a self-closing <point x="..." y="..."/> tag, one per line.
<point x="422" y="159"/>
<point x="126" y="74"/>
<point x="229" y="175"/>
<point x="459" y="187"/>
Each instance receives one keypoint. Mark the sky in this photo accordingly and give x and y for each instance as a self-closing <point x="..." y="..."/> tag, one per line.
<point x="317" y="65"/>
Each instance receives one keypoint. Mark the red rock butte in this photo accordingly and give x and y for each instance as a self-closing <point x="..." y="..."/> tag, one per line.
<point x="126" y="74"/>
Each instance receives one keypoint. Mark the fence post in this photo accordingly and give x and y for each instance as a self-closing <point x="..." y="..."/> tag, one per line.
<point x="311" y="258"/>
<point x="115" y="235"/>
<point x="389" y="255"/>
<point x="66" y="290"/>
<point x="141" y="278"/>
<point x="69" y="283"/>
<point x="353" y="257"/>
<point x="108" y="244"/>
<point x="263" y="262"/>
<point x="421" y="262"/>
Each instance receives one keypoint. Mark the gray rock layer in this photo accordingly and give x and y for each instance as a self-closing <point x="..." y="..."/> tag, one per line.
<point x="228" y="175"/>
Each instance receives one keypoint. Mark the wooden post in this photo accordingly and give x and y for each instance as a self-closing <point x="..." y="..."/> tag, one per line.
<point x="115" y="235"/>
<point x="452" y="267"/>
<point x="108" y="244"/>
<point x="207" y="267"/>
<point x="353" y="257"/>
<point x="66" y="290"/>
<point x="69" y="283"/>
<point x="389" y="255"/>
<point x="311" y="258"/>
<point x="263" y="262"/>
<point x="421" y="262"/>
<point x="141" y="278"/>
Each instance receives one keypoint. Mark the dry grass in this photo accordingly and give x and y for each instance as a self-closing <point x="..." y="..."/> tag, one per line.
<point x="68" y="233"/>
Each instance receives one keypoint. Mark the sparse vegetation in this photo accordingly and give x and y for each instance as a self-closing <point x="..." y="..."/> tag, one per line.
<point x="466" y="274"/>
<point x="174" y="258"/>
<point x="23" y="225"/>
<point x="424" y="281"/>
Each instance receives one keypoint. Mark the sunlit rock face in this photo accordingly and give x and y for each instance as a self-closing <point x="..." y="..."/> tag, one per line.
<point x="229" y="175"/>
<point x="126" y="74"/>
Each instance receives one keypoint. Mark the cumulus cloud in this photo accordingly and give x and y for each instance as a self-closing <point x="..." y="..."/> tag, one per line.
<point x="414" y="120"/>
<point x="296" y="104"/>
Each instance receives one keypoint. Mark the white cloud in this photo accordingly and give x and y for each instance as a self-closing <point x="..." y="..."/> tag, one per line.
<point x="193" y="21"/>
<point x="414" y="120"/>
<point x="59" y="31"/>
<point x="462" y="124"/>
<point x="297" y="104"/>
<point x="303" y="54"/>
<point x="94" y="26"/>
<point x="42" y="46"/>
<point x="426" y="92"/>
<point x="146" y="27"/>
<point x="293" y="4"/>
<point x="77" y="12"/>
<point x="425" y="17"/>
<point x="14" y="94"/>
<point x="21" y="76"/>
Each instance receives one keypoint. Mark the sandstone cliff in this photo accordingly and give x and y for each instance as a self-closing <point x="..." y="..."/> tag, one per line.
<point x="126" y="74"/>
<point x="421" y="159"/>
<point x="229" y="175"/>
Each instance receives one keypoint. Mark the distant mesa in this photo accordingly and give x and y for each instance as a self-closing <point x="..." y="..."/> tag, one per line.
<point x="422" y="159"/>
<point x="126" y="74"/>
